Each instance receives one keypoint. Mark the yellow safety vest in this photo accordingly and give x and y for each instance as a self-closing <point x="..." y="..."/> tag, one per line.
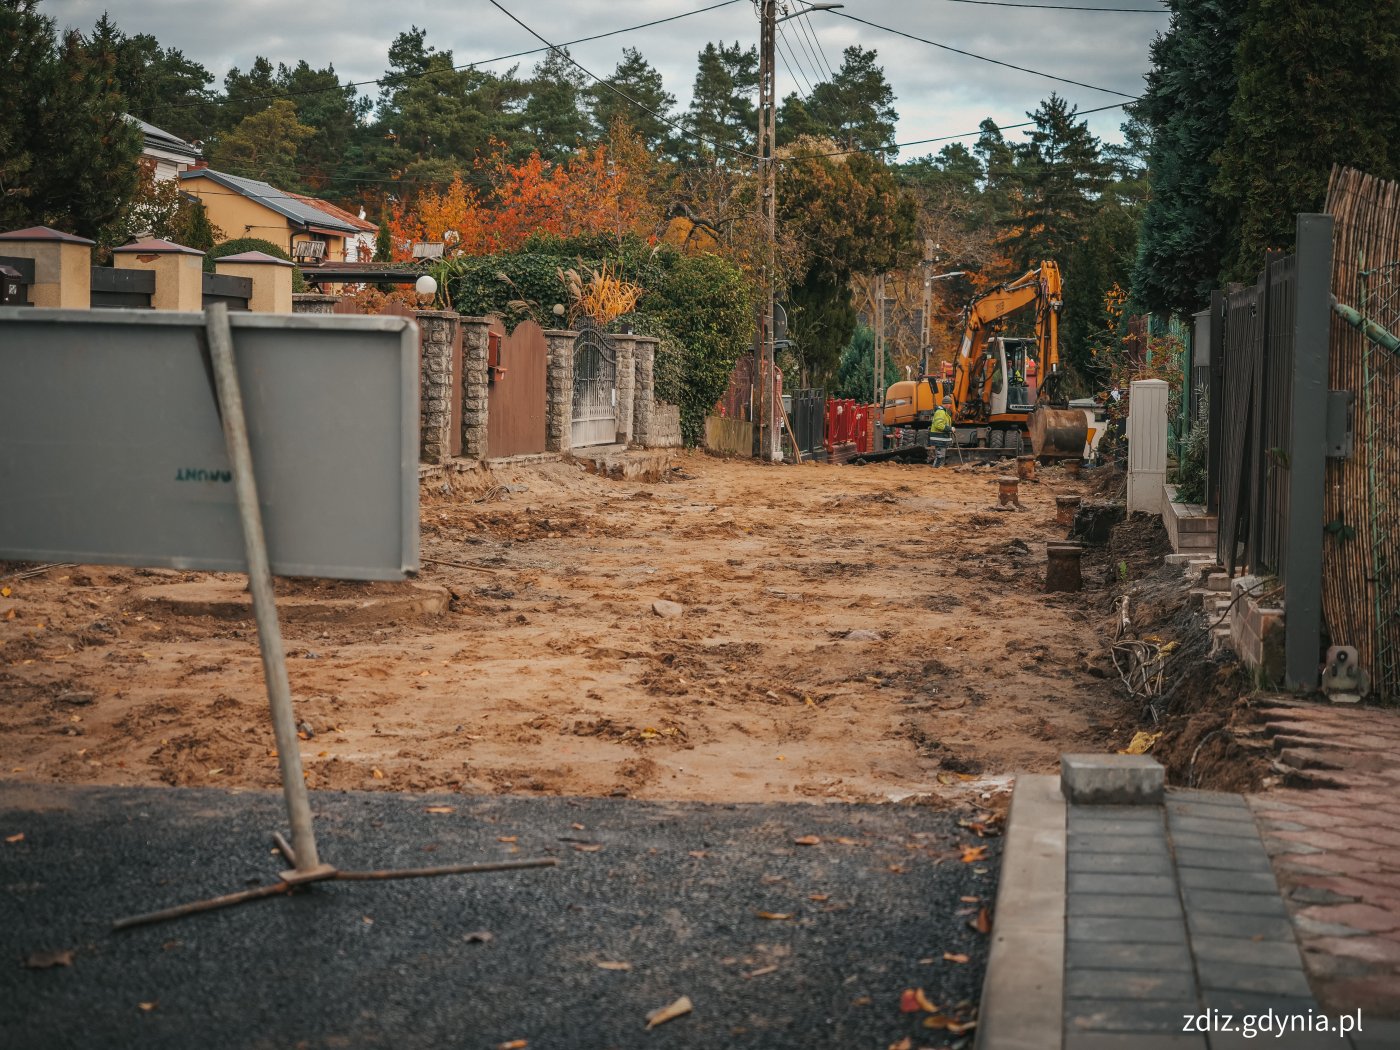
<point x="942" y="421"/>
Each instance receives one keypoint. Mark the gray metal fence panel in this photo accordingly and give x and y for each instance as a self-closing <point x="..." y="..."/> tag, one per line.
<point x="112" y="452"/>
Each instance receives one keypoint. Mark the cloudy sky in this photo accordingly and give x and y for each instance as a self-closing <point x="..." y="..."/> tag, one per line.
<point x="939" y="93"/>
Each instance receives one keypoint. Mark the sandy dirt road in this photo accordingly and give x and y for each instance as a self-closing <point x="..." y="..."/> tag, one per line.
<point x="848" y="633"/>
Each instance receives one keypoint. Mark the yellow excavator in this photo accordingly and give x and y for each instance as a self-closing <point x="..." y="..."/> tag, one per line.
<point x="1004" y="390"/>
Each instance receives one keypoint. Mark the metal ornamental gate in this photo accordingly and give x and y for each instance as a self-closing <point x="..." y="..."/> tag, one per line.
<point x="595" y="388"/>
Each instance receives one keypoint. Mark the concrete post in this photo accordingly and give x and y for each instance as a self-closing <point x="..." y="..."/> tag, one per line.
<point x="271" y="277"/>
<point x="179" y="272"/>
<point x="62" y="266"/>
<point x="475" y="386"/>
<point x="437" y="385"/>
<point x="1147" y="445"/>
<point x="559" y="391"/>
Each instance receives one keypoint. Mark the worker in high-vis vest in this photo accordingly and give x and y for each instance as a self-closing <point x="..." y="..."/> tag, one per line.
<point x="940" y="431"/>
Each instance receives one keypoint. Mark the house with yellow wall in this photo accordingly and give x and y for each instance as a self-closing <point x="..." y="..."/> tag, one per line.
<point x="307" y="229"/>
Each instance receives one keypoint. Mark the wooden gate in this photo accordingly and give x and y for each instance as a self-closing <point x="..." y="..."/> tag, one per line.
<point x="595" y="388"/>
<point x="515" y="424"/>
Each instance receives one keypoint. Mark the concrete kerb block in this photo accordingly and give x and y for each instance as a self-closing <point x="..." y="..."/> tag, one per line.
<point x="1023" y="993"/>
<point x="1112" y="780"/>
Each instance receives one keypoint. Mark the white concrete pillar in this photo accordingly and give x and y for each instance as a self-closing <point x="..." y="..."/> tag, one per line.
<point x="1147" y="445"/>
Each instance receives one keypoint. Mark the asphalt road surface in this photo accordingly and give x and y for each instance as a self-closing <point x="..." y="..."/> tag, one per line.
<point x="673" y="891"/>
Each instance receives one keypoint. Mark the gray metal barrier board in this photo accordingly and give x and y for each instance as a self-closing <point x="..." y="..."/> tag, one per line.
<point x="112" y="451"/>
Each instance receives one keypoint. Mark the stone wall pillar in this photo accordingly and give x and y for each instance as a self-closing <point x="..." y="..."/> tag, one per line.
<point x="314" y="303"/>
<point x="626" y="386"/>
<point x="646" y="390"/>
<point x="271" y="277"/>
<point x="475" y="388"/>
<point x="62" y="266"/>
<point x="437" y="385"/>
<point x="559" y="391"/>
<point x="179" y="272"/>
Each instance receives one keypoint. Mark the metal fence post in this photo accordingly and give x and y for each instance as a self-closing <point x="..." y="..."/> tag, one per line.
<point x="1307" y="452"/>
<point x="1215" y="402"/>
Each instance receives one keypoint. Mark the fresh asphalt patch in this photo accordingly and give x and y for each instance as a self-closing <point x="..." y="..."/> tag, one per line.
<point x="776" y="944"/>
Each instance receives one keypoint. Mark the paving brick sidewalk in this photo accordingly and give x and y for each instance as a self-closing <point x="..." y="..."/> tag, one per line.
<point x="1334" y="837"/>
<point x="1173" y="911"/>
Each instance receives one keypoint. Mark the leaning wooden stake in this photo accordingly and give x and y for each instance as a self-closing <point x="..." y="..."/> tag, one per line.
<point x="279" y="690"/>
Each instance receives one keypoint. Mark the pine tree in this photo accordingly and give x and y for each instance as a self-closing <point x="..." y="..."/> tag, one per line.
<point x="68" y="155"/>
<point x="1061" y="172"/>
<point x="723" y="103"/>
<point x="855" y="107"/>
<point x="1319" y="84"/>
<point x="265" y="146"/>
<point x="554" y="121"/>
<point x="1187" y="230"/>
<point x="637" y="79"/>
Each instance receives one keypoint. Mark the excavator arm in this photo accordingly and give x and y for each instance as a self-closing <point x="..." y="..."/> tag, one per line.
<point x="972" y="380"/>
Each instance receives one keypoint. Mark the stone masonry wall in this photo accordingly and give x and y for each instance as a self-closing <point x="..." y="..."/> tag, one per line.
<point x="559" y="391"/>
<point x="664" y="431"/>
<point x="437" y="385"/>
<point x="314" y="303"/>
<point x="645" y="398"/>
<point x="626" y="386"/>
<point x="475" y="388"/>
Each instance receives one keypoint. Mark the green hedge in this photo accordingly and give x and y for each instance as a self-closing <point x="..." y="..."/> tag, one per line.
<point x="700" y="307"/>
<point x="239" y="245"/>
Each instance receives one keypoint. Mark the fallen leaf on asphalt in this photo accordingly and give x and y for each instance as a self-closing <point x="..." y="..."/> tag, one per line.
<point x="936" y="1021"/>
<point x="761" y="971"/>
<point x="614" y="966"/>
<point x="956" y="957"/>
<point x="698" y="854"/>
<point x="972" y="854"/>
<point x="588" y="847"/>
<point x="679" y="1008"/>
<point x="480" y="937"/>
<point x="148" y="1007"/>
<point x="819" y="897"/>
<point x="909" y="1001"/>
<point x="925" y="1003"/>
<point x="904" y="1044"/>
<point x="843" y="841"/>
<point x="983" y="922"/>
<point x="507" y="838"/>
<point x="15" y="838"/>
<point x="440" y="809"/>
<point x="377" y="773"/>
<point x="862" y="1000"/>
<point x="48" y="960"/>
<point x="578" y="827"/>
<point x="969" y="900"/>
<point x="927" y="961"/>
<point x="808" y="840"/>
<point x="956" y="1028"/>
<point x="514" y="1044"/>
<point x="897" y="869"/>
<point x="774" y="914"/>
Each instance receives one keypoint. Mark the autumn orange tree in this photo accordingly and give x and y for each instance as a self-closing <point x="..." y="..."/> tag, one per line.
<point x="589" y="194"/>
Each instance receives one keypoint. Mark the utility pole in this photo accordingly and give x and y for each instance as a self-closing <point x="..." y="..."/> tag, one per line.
<point x="768" y="444"/>
<point x="879" y="396"/>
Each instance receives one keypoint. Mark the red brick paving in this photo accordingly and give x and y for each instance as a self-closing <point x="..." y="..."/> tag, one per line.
<point x="1355" y="827"/>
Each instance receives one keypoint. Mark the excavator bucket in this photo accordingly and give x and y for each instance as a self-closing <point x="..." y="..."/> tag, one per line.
<point x="1058" y="433"/>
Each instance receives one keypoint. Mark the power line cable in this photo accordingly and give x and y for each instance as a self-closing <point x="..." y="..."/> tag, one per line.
<point x="808" y="32"/>
<point x="395" y="77"/>
<point x="789" y="59"/>
<point x="940" y="138"/>
<point x="1065" y="7"/>
<point x="984" y="58"/>
<point x="559" y="50"/>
